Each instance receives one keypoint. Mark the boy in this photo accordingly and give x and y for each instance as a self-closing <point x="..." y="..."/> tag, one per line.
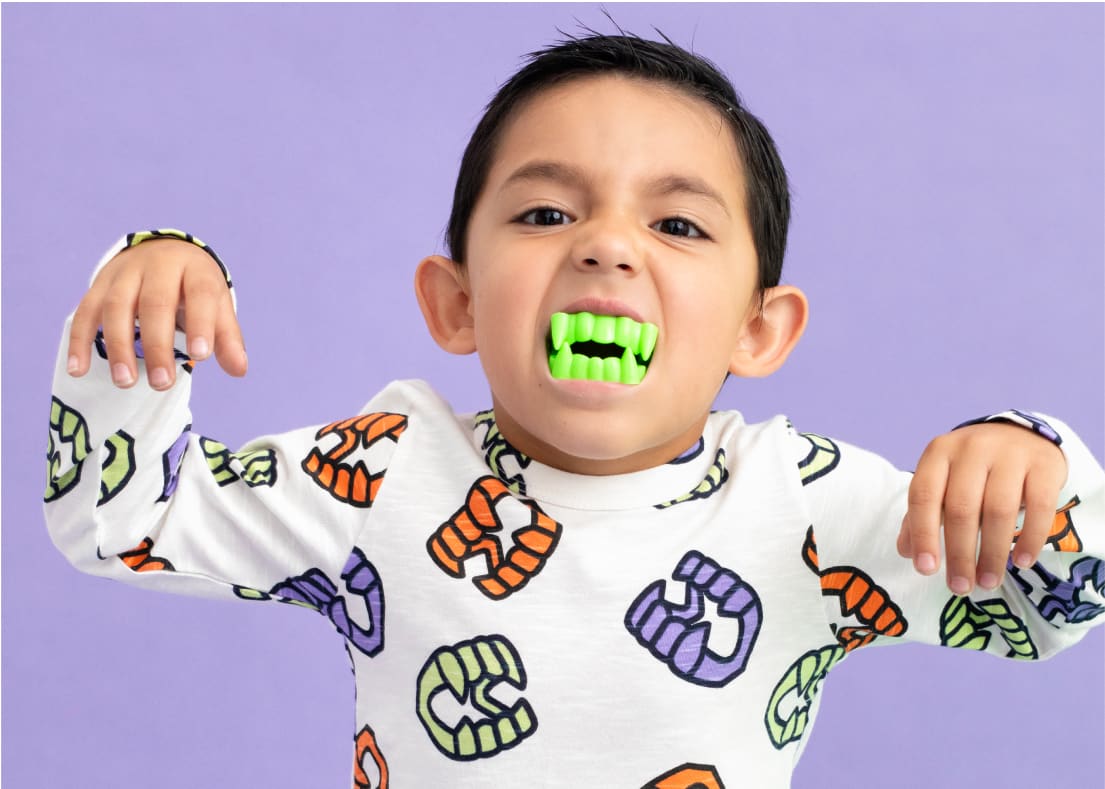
<point x="616" y="241"/>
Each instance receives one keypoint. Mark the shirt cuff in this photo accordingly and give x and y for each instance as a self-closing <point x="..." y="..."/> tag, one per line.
<point x="1028" y="421"/>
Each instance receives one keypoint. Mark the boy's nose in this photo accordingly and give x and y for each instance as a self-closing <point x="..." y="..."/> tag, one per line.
<point x="608" y="245"/>
<point x="593" y="263"/>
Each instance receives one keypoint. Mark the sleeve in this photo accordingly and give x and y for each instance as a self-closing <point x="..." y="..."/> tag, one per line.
<point x="855" y="503"/>
<point x="135" y="493"/>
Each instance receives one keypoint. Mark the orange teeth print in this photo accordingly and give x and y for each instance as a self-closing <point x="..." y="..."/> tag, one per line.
<point x="859" y="595"/>
<point x="1063" y="536"/>
<point x="352" y="484"/>
<point x="471" y="532"/>
<point x="141" y="560"/>
<point x="687" y="776"/>
<point x="809" y="552"/>
<point x="366" y="746"/>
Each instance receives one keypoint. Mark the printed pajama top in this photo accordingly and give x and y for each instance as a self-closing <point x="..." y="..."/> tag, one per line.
<point x="512" y="625"/>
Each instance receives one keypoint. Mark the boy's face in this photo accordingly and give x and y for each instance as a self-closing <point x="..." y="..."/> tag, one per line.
<point x="620" y="197"/>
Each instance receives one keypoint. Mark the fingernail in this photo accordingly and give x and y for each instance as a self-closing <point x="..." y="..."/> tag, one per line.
<point x="988" y="581"/>
<point x="120" y="373"/>
<point x="960" y="585"/>
<point x="198" y="348"/>
<point x="926" y="563"/>
<point x="159" y="378"/>
<point x="1023" y="560"/>
<point x="73" y="364"/>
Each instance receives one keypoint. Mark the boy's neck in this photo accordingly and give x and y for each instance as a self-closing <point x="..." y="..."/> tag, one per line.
<point x="551" y="455"/>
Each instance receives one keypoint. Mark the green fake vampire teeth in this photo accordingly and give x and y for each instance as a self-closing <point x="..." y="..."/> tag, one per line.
<point x="587" y="347"/>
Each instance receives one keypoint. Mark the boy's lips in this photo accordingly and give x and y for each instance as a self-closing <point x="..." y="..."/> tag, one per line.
<point x="589" y="347"/>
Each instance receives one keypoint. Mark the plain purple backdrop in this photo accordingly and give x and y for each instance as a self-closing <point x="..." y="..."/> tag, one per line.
<point x="947" y="167"/>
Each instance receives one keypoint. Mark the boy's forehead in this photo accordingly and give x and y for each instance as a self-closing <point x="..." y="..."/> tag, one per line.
<point x="592" y="115"/>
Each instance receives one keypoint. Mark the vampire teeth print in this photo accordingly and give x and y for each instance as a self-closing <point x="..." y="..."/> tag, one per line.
<point x="1054" y="597"/>
<point x="474" y="529"/>
<point x="63" y="468"/>
<point x="588" y="347"/>
<point x="352" y="483"/>
<point x="315" y="591"/>
<point x="70" y="428"/>
<point x="470" y="670"/>
<point x="687" y="776"/>
<point x="367" y="748"/>
<point x="788" y="711"/>
<point x="967" y="624"/>
<point x="678" y="636"/>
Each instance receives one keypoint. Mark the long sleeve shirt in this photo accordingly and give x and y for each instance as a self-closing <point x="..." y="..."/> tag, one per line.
<point x="512" y="624"/>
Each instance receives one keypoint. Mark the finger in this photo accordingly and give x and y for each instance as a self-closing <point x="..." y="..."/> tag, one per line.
<point x="230" y="348"/>
<point x="962" y="510"/>
<point x="926" y="496"/>
<point x="905" y="544"/>
<point x="120" y="306"/>
<point x="157" y="305"/>
<point x="1001" y="502"/>
<point x="1041" y="494"/>
<point x="204" y="292"/>
<point x="82" y="333"/>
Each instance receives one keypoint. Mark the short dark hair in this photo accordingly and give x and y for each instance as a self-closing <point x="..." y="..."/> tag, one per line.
<point x="767" y="195"/>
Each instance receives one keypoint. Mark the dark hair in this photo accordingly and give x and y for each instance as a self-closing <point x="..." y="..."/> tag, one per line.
<point x="767" y="195"/>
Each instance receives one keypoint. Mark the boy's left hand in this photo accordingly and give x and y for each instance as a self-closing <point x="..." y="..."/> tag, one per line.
<point x="976" y="479"/>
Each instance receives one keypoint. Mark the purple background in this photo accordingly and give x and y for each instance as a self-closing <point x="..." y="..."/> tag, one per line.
<point x="948" y="180"/>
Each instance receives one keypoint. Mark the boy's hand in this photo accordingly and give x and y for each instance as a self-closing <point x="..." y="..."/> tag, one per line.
<point x="165" y="284"/>
<point x="976" y="479"/>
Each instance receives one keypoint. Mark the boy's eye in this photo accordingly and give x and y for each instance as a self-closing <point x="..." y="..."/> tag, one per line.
<point x="677" y="226"/>
<point x="544" y="217"/>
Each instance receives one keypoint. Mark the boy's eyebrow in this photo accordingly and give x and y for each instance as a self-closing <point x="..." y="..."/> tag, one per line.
<point x="542" y="170"/>
<point x="559" y="172"/>
<point x="674" y="184"/>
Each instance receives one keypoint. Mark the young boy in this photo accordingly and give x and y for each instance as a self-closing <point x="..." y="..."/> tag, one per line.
<point x="598" y="582"/>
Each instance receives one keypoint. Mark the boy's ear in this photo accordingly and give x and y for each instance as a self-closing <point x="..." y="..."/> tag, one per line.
<point x="442" y="291"/>
<point x="771" y="333"/>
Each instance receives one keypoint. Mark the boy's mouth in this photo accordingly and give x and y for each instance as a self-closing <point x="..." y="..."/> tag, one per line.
<point x="586" y="347"/>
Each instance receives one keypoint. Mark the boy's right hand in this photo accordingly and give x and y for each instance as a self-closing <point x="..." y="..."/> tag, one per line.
<point x="166" y="284"/>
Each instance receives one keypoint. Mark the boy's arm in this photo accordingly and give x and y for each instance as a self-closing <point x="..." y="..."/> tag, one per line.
<point x="135" y="492"/>
<point x="872" y="591"/>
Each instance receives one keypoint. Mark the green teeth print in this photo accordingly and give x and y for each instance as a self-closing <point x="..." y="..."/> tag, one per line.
<point x="967" y="624"/>
<point x="259" y="465"/>
<point x="471" y="670"/>
<point x="73" y="430"/>
<point x="636" y="341"/>
<point x="714" y="479"/>
<point x="118" y="465"/>
<point x="788" y="711"/>
<point x="218" y="460"/>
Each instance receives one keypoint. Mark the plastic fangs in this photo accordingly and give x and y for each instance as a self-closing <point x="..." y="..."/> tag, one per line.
<point x="588" y="347"/>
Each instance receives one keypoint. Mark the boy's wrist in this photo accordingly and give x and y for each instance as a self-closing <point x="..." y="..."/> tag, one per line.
<point x="1023" y="419"/>
<point x="142" y="236"/>
<point x="134" y="239"/>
